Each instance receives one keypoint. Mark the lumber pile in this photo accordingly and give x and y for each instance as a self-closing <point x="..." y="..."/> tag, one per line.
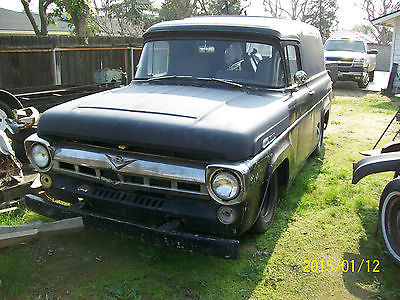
<point x="11" y="235"/>
<point x="8" y="193"/>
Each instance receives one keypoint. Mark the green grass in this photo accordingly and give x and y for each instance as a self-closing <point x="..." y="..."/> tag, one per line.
<point x="321" y="217"/>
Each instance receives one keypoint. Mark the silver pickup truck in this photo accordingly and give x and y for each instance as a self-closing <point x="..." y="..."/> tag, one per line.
<point x="349" y="60"/>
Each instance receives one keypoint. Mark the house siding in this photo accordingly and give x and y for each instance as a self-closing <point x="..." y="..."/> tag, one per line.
<point x="383" y="57"/>
<point x="396" y="52"/>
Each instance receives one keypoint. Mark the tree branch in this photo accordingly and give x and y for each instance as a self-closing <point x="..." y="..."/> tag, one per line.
<point x="28" y="12"/>
<point x="46" y="3"/>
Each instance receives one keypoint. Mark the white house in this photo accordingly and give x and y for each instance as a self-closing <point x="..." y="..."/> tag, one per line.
<point x="393" y="20"/>
<point x="17" y="23"/>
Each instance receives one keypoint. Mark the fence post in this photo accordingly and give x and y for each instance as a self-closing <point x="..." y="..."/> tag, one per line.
<point x="53" y="51"/>
<point x="132" y="64"/>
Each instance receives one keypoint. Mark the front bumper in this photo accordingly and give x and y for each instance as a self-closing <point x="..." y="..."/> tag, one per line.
<point x="165" y="235"/>
<point x="344" y="73"/>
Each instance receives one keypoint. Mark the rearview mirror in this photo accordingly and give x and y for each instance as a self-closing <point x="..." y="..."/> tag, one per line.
<point x="300" y="77"/>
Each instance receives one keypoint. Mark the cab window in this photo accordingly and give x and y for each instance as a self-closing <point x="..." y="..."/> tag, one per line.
<point x="293" y="61"/>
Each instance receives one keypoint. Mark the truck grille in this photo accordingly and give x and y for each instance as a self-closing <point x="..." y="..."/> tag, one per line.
<point x="116" y="178"/>
<point x="128" y="198"/>
<point x="344" y="62"/>
<point x="339" y="59"/>
<point x="141" y="172"/>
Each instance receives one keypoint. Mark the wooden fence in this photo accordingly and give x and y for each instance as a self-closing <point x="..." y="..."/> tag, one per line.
<point x="27" y="61"/>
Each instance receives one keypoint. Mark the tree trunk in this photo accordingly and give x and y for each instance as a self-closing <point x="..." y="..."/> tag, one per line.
<point x="79" y="18"/>
<point x="81" y="26"/>
<point x="43" y="18"/>
<point x="28" y="12"/>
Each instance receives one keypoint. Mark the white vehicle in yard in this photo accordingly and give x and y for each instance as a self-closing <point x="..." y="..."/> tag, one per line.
<point x="350" y="60"/>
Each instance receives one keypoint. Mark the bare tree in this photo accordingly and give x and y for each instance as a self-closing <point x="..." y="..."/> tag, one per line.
<point x="273" y="7"/>
<point x="43" y="6"/>
<point x="296" y="10"/>
<point x="375" y="9"/>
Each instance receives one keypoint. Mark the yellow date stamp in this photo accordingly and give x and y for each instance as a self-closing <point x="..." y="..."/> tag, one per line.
<point x="343" y="265"/>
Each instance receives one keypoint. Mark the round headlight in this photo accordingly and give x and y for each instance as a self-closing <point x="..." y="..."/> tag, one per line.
<point x="225" y="185"/>
<point x="40" y="155"/>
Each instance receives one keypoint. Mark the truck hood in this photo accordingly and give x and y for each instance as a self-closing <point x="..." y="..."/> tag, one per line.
<point x="223" y="123"/>
<point x="345" y="54"/>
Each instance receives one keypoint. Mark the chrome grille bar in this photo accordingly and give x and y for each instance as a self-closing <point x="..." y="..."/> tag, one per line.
<point x="118" y="168"/>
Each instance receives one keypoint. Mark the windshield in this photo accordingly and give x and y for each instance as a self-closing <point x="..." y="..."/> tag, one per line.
<point x="240" y="62"/>
<point x="344" y="45"/>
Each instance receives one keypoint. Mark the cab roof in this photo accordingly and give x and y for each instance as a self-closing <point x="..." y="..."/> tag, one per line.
<point x="278" y="28"/>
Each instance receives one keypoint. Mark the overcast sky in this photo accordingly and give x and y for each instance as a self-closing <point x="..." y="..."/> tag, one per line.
<point x="349" y="13"/>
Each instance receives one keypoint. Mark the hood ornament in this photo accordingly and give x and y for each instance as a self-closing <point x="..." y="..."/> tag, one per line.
<point x="118" y="162"/>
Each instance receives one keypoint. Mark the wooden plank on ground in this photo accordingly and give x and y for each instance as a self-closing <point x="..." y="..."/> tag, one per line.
<point x="62" y="226"/>
<point x="11" y="235"/>
<point x="10" y="203"/>
<point x="14" y="238"/>
<point x="8" y="209"/>
<point x="14" y="192"/>
<point x="23" y="227"/>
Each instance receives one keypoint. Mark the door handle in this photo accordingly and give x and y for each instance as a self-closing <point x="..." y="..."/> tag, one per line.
<point x="311" y="92"/>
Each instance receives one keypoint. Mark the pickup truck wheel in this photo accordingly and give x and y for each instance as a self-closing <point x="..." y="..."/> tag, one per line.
<point x="371" y="76"/>
<point x="363" y="82"/>
<point x="318" y="150"/>
<point x="267" y="213"/>
<point x="389" y="214"/>
<point x="5" y="112"/>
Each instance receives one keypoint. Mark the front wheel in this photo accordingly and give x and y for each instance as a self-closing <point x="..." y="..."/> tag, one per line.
<point x="267" y="213"/>
<point x="371" y="76"/>
<point x="318" y="150"/>
<point x="364" y="80"/>
<point x="389" y="214"/>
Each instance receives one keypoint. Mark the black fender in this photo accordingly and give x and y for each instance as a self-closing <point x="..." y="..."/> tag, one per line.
<point x="10" y="100"/>
<point x="376" y="164"/>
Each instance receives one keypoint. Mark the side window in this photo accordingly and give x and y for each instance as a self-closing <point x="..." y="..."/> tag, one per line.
<point x="293" y="60"/>
<point x="158" y="58"/>
<point x="266" y="62"/>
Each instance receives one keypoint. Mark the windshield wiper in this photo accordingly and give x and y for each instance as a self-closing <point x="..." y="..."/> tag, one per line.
<point x="188" y="77"/>
<point x="169" y="77"/>
<point x="219" y="80"/>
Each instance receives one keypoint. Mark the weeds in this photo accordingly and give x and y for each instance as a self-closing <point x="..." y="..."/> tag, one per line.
<point x="321" y="217"/>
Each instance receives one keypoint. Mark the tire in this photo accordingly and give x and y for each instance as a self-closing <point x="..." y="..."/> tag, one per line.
<point x="19" y="150"/>
<point x="389" y="217"/>
<point x="267" y="213"/>
<point x="5" y="112"/>
<point x="363" y="82"/>
<point x="18" y="143"/>
<point x="318" y="150"/>
<point x="371" y="76"/>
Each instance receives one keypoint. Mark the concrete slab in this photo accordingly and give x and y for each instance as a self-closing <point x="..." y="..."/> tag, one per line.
<point x="381" y="80"/>
<point x="350" y="88"/>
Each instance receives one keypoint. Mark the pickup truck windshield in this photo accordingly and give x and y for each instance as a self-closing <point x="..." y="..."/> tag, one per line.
<point x="239" y="62"/>
<point x="344" y="45"/>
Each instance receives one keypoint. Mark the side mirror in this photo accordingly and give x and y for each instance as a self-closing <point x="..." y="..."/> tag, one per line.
<point x="300" y="77"/>
<point x="372" y="51"/>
